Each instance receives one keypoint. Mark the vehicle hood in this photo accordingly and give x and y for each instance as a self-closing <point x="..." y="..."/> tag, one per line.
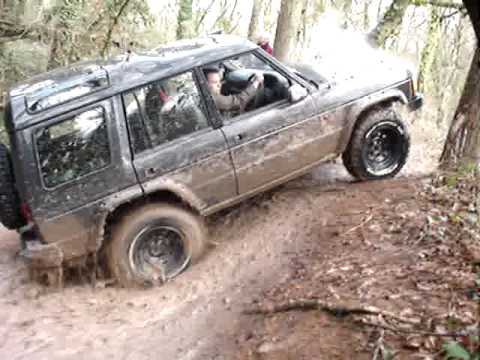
<point x="359" y="67"/>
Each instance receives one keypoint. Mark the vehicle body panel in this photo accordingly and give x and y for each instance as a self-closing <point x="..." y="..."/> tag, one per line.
<point x="199" y="165"/>
<point x="210" y="169"/>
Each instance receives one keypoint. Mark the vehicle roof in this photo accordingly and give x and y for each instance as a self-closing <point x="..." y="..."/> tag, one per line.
<point x="124" y="72"/>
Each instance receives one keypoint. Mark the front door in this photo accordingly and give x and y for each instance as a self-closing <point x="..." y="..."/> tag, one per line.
<point x="269" y="144"/>
<point x="274" y="139"/>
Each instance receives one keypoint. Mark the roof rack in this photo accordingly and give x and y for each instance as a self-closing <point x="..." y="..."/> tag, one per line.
<point x="54" y="93"/>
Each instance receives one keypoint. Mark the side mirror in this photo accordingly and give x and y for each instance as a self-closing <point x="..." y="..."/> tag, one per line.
<point x="296" y="93"/>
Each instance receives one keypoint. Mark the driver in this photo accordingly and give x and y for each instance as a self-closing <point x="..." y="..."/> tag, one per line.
<point x="227" y="103"/>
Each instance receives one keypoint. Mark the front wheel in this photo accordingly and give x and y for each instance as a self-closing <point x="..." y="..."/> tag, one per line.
<point x="154" y="244"/>
<point x="378" y="147"/>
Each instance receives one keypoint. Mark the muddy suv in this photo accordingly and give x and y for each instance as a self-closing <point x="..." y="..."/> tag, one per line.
<point x="123" y="158"/>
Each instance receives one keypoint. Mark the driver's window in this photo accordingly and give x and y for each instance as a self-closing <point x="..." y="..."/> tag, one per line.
<point x="244" y="83"/>
<point x="248" y="61"/>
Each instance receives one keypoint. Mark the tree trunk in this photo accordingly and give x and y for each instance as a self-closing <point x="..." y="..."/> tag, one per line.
<point x="390" y="24"/>
<point x="463" y="141"/>
<point x="285" y="30"/>
<point x="428" y="52"/>
<point x="254" y="20"/>
<point x="473" y="8"/>
<point x="185" y="19"/>
<point x="54" y="53"/>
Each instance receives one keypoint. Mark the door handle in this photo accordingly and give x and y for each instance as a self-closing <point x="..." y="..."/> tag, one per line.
<point x="151" y="171"/>
<point x="239" y="137"/>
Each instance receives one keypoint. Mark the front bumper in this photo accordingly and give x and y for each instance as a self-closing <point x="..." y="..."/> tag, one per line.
<point x="416" y="102"/>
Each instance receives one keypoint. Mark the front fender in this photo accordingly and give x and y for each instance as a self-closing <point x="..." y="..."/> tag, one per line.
<point x="364" y="105"/>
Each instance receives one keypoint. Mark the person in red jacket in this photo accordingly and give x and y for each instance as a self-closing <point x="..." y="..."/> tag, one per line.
<point x="264" y="43"/>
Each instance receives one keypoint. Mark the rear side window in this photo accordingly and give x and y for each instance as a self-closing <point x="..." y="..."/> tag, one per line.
<point x="164" y="111"/>
<point x="73" y="148"/>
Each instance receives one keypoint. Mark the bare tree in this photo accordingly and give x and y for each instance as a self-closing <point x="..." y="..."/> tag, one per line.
<point x="428" y="52"/>
<point x="473" y="9"/>
<point x="185" y="19"/>
<point x="463" y="141"/>
<point x="286" y="29"/>
<point x="255" y="19"/>
<point x="390" y="23"/>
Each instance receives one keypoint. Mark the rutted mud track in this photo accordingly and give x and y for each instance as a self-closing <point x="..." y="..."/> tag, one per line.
<point x="255" y="247"/>
<point x="198" y="316"/>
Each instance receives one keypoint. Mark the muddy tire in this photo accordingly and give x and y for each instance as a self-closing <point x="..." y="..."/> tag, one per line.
<point x="154" y="244"/>
<point x="10" y="214"/>
<point x="378" y="147"/>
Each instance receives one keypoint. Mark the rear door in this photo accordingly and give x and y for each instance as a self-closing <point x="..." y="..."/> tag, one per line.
<point x="174" y="142"/>
<point x="78" y="163"/>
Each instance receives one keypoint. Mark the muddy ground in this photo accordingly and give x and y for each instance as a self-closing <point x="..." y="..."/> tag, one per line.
<point x="320" y="236"/>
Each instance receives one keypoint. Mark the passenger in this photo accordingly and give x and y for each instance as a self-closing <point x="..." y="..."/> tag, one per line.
<point x="230" y="103"/>
<point x="264" y="43"/>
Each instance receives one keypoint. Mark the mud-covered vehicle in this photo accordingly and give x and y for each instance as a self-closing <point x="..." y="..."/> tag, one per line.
<point x="125" y="157"/>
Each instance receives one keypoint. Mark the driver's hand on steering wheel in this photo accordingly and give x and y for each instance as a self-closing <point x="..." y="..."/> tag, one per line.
<point x="258" y="80"/>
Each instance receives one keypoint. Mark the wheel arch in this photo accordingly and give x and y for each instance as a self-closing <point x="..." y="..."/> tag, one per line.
<point x="367" y="105"/>
<point x="128" y="200"/>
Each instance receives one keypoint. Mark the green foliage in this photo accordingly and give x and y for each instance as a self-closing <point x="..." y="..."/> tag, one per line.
<point x="185" y="19"/>
<point x="69" y="31"/>
<point x="454" y="350"/>
<point x="387" y="354"/>
<point x="452" y="180"/>
<point x="468" y="169"/>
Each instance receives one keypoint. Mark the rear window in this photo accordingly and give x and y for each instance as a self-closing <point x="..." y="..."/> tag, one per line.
<point x="73" y="148"/>
<point x="49" y="93"/>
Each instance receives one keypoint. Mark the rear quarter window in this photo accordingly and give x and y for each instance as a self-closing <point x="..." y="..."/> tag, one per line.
<point x="73" y="148"/>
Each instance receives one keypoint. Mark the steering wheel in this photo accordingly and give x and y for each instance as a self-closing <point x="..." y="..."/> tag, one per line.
<point x="277" y="86"/>
<point x="259" y="98"/>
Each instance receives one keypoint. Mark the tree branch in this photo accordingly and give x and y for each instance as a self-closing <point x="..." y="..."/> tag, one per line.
<point x="10" y="30"/>
<point x="202" y="17"/>
<point x="112" y="27"/>
<point x="439" y="3"/>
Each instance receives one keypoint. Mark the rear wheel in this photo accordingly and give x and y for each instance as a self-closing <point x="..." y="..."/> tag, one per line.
<point x="10" y="214"/>
<point x="154" y="244"/>
<point x="378" y="147"/>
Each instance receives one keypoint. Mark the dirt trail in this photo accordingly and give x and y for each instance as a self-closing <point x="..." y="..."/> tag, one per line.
<point x="256" y="248"/>
<point x="183" y="319"/>
<point x="198" y="315"/>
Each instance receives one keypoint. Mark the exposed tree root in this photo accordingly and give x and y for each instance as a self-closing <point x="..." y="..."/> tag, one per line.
<point x="333" y="309"/>
<point x="394" y="329"/>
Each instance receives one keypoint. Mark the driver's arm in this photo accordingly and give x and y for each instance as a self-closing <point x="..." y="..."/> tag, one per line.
<point x="238" y="101"/>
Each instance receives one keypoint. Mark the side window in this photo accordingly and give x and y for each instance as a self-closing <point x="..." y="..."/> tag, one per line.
<point x="248" y="61"/>
<point x="244" y="83"/>
<point x="164" y="111"/>
<point x="73" y="147"/>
